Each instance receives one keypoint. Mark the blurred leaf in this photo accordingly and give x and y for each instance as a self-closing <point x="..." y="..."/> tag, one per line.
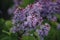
<point x="58" y="34"/>
<point x="5" y="38"/>
<point x="8" y="37"/>
<point x="32" y="31"/>
<point x="8" y="33"/>
<point x="8" y="24"/>
<point x="52" y="35"/>
<point x="2" y="25"/>
<point x="2" y="22"/>
<point x="53" y="24"/>
<point x="58" y="17"/>
<point x="26" y="2"/>
<point x="37" y="36"/>
<point x="28" y="38"/>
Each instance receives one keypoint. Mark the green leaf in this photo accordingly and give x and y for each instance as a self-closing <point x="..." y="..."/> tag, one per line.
<point x="52" y="35"/>
<point x="36" y="34"/>
<point x="28" y="38"/>
<point x="53" y="24"/>
<point x="26" y="2"/>
<point x="58" y="17"/>
<point x="8" y="24"/>
<point x="8" y="37"/>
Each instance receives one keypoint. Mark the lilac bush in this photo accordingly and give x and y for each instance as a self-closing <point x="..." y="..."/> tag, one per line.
<point x="32" y="17"/>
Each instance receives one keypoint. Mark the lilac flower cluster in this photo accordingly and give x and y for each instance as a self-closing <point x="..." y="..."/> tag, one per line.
<point x="26" y="21"/>
<point x="32" y="16"/>
<point x="44" y="30"/>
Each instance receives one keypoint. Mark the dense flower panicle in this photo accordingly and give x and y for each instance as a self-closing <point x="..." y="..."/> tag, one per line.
<point x="33" y="15"/>
<point x="44" y="30"/>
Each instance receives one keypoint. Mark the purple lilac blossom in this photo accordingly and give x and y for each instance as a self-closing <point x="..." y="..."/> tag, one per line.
<point x="33" y="15"/>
